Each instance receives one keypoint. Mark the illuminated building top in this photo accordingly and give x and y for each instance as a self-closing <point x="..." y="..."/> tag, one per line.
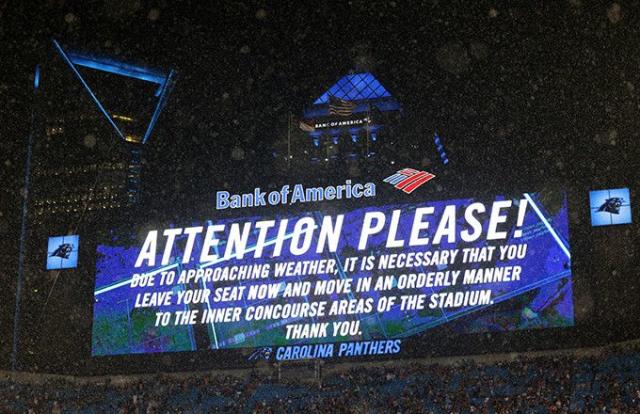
<point x="362" y="90"/>
<point x="356" y="87"/>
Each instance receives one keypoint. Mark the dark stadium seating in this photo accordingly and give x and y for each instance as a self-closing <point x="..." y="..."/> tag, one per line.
<point x="607" y="383"/>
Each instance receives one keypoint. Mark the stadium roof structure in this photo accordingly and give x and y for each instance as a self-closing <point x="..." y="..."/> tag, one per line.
<point x="164" y="80"/>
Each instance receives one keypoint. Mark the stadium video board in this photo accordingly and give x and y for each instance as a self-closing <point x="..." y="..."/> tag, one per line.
<point x="62" y="252"/>
<point x="339" y="278"/>
<point x="610" y="207"/>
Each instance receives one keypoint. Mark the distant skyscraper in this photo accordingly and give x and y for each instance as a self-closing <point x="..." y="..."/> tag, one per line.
<point x="96" y="114"/>
<point x="347" y="120"/>
<point x="93" y="117"/>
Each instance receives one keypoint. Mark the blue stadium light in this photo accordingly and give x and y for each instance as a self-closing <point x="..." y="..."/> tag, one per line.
<point x="440" y="149"/>
<point x="335" y="140"/>
<point x="374" y="136"/>
<point x="36" y="78"/>
<point x="316" y="142"/>
<point x="354" y="138"/>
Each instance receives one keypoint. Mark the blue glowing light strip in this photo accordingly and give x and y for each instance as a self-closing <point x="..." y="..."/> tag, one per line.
<point x="118" y="68"/>
<point x="36" y="78"/>
<point x="86" y="86"/>
<point x="128" y="281"/>
<point x="250" y="249"/>
<point x="171" y="266"/>
<point x="547" y="225"/>
<point x="159" y="106"/>
<point x="213" y="327"/>
<point x="506" y="296"/>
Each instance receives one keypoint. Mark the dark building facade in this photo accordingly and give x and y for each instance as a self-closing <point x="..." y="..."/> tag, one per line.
<point x="93" y="117"/>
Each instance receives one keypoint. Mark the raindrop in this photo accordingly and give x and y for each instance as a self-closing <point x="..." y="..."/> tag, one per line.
<point x="453" y="58"/>
<point x="614" y="13"/>
<point x="237" y="153"/>
<point x="154" y="14"/>
<point x="261" y="14"/>
<point x="613" y="135"/>
<point x="90" y="141"/>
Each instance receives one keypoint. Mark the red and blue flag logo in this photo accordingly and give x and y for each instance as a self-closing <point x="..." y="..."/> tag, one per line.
<point x="409" y="179"/>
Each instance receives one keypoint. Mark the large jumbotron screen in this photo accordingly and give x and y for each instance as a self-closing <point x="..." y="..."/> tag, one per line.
<point x="337" y="278"/>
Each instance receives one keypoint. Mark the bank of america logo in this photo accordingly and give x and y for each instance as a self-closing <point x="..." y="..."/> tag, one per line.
<point x="408" y="179"/>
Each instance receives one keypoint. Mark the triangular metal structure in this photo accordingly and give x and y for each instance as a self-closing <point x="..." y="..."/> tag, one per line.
<point x="165" y="82"/>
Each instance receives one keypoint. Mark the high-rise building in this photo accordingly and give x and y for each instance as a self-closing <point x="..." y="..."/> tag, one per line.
<point x="347" y="120"/>
<point x="95" y="114"/>
<point x="92" y="118"/>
